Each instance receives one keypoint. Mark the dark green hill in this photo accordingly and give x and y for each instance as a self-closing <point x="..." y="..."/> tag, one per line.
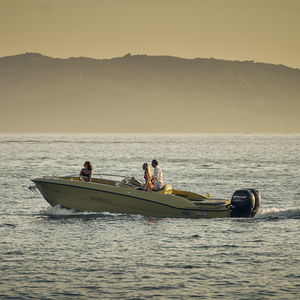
<point x="146" y="94"/>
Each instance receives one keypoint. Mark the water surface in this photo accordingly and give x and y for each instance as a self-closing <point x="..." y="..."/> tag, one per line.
<point x="53" y="253"/>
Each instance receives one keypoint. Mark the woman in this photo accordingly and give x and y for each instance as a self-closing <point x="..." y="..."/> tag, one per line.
<point x="149" y="179"/>
<point x="86" y="172"/>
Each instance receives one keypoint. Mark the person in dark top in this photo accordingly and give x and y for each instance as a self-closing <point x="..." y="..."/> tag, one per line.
<point x="86" y="172"/>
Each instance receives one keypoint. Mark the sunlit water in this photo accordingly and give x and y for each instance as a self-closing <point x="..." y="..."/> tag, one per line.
<point x="53" y="253"/>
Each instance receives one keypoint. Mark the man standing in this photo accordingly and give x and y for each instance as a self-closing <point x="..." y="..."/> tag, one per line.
<point x="158" y="176"/>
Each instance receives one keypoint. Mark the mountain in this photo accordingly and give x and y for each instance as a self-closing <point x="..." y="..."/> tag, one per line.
<point x="140" y="93"/>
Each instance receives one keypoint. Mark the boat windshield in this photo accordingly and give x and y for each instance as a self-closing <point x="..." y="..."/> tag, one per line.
<point x="132" y="182"/>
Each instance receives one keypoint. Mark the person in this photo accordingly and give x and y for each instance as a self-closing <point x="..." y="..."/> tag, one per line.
<point x="86" y="172"/>
<point x="149" y="179"/>
<point x="158" y="176"/>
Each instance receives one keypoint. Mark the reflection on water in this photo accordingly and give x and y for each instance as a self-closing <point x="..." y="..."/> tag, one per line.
<point x="55" y="253"/>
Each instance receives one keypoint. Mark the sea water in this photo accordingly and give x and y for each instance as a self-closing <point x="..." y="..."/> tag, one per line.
<point x="53" y="253"/>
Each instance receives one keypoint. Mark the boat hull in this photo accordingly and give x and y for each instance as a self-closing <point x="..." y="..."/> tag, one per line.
<point x="97" y="197"/>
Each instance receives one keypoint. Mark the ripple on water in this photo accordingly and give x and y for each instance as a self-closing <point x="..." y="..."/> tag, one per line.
<point x="8" y="225"/>
<point x="53" y="253"/>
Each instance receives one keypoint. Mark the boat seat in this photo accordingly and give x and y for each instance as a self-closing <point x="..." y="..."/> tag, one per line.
<point x="166" y="189"/>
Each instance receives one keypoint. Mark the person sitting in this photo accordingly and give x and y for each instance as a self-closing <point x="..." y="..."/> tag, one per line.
<point x="158" y="176"/>
<point x="86" y="172"/>
<point x="149" y="179"/>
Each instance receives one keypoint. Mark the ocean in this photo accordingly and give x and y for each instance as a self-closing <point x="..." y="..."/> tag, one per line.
<point x="53" y="253"/>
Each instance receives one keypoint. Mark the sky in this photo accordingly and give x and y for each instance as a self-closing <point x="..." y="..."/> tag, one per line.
<point x="260" y="30"/>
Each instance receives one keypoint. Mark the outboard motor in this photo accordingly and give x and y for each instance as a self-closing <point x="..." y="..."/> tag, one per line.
<point x="245" y="203"/>
<point x="257" y="196"/>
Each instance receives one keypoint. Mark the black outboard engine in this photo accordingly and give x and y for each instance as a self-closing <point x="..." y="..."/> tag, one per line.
<point x="245" y="203"/>
<point x="257" y="201"/>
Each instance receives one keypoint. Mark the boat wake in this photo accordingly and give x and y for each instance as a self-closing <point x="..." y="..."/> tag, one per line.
<point x="275" y="213"/>
<point x="58" y="212"/>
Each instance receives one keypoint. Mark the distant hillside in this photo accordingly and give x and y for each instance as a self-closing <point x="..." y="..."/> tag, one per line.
<point x="147" y="94"/>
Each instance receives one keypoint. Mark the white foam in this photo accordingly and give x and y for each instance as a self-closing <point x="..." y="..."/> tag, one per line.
<point x="285" y="213"/>
<point x="60" y="211"/>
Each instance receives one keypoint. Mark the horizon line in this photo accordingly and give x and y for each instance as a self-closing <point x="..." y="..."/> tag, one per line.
<point x="152" y="133"/>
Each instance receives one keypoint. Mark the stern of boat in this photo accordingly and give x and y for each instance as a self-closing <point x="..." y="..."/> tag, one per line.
<point x="245" y="203"/>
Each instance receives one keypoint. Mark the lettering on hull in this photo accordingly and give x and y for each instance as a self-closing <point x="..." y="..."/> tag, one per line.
<point x="201" y="213"/>
<point x="100" y="199"/>
<point x="187" y="213"/>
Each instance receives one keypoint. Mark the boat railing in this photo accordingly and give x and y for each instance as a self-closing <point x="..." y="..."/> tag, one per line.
<point x="110" y="175"/>
<point x="100" y="175"/>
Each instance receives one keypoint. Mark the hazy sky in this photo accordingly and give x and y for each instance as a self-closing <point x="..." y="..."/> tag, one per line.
<point x="259" y="30"/>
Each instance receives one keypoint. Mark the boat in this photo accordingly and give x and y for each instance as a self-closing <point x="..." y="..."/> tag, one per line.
<point x="127" y="196"/>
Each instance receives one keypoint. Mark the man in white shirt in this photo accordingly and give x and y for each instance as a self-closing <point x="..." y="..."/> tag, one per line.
<point x="158" y="176"/>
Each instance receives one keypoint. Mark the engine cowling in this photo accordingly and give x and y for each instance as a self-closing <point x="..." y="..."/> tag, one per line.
<point x="245" y="203"/>
<point x="257" y="196"/>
